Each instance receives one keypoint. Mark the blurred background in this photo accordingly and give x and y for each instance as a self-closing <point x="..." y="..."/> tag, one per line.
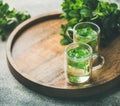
<point x="35" y="7"/>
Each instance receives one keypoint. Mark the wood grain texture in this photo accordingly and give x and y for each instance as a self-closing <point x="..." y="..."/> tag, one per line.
<point x="36" y="59"/>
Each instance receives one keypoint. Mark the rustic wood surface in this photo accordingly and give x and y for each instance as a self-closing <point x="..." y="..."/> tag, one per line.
<point x="36" y="59"/>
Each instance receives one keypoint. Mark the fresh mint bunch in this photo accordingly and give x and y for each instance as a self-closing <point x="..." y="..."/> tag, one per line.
<point x="104" y="14"/>
<point x="9" y="19"/>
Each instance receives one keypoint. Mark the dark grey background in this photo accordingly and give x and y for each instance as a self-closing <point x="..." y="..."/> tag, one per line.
<point x="12" y="93"/>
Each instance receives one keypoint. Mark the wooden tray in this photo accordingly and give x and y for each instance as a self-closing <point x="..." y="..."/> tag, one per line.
<point x="35" y="57"/>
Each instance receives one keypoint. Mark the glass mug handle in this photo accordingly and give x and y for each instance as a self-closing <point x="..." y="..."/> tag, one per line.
<point x="67" y="33"/>
<point x="100" y="65"/>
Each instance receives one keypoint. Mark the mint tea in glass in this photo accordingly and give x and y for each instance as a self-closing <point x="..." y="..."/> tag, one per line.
<point x="78" y="62"/>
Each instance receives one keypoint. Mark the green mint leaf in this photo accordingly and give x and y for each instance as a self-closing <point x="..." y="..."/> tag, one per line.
<point x="1" y="2"/>
<point x="5" y="8"/>
<point x="85" y="12"/>
<point x="64" y="41"/>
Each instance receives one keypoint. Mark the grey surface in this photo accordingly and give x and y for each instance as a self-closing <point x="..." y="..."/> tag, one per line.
<point x="12" y="93"/>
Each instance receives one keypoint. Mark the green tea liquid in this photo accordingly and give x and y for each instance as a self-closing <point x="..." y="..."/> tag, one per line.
<point x="89" y="36"/>
<point x="78" y="65"/>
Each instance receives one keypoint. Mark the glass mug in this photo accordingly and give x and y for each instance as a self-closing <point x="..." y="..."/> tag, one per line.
<point x="78" y="62"/>
<point x="89" y="32"/>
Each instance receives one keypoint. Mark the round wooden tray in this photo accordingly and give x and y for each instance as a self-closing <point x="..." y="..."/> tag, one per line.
<point x="35" y="57"/>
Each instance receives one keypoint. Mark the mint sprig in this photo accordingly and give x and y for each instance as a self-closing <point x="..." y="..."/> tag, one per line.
<point x="9" y="19"/>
